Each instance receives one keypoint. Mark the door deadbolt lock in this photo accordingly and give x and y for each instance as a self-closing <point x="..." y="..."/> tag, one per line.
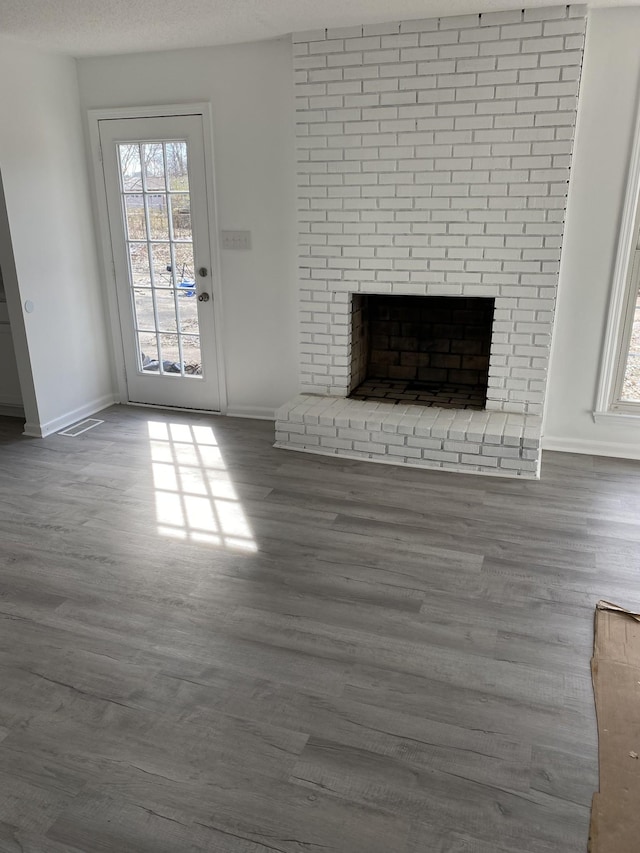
<point x="204" y="297"/>
<point x="203" y="271"/>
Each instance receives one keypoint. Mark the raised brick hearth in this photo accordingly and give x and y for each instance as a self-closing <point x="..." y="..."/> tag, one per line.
<point x="486" y="442"/>
<point x="433" y="160"/>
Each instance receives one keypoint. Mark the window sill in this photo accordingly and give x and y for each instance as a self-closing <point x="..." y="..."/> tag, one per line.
<point x="622" y="418"/>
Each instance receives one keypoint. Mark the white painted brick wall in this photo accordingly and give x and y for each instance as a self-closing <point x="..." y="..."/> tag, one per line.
<point x="433" y="158"/>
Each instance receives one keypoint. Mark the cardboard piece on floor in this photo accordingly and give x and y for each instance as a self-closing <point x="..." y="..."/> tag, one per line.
<point x="615" y="669"/>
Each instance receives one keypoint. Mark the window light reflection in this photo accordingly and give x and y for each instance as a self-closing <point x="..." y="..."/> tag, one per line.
<point x="195" y="498"/>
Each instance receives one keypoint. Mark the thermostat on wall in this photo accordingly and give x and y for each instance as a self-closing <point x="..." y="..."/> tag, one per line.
<point x="236" y="240"/>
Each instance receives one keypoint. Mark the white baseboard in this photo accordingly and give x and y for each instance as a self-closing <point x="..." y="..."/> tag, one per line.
<point x="591" y="448"/>
<point x="11" y="410"/>
<point x="261" y="413"/>
<point x="44" y="429"/>
<point x="164" y="408"/>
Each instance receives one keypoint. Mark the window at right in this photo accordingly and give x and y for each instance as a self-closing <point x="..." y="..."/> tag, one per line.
<point x="618" y="392"/>
<point x="630" y="392"/>
<point x="626" y="390"/>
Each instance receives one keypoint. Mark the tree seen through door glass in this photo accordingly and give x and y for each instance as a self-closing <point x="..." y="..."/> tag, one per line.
<point x="157" y="211"/>
<point x="130" y="167"/>
<point x="153" y="165"/>
<point x="176" y="159"/>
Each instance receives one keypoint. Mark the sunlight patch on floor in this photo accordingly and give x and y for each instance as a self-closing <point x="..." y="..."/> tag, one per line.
<point x="195" y="497"/>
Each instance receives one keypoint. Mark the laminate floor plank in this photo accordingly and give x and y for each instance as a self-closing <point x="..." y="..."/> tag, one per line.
<point x="209" y="644"/>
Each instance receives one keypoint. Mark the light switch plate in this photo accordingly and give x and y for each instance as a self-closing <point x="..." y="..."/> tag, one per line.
<point x="236" y="240"/>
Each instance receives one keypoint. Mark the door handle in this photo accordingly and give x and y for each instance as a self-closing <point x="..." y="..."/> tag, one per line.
<point x="204" y="297"/>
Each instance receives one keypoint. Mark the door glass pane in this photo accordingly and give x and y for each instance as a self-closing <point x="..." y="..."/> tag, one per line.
<point x="161" y="265"/>
<point x="130" y="167"/>
<point x="188" y="314"/>
<point x="181" y="216"/>
<point x="158" y="221"/>
<point x="153" y="162"/>
<point x="191" y="354"/>
<point x="134" y="214"/>
<point x="171" y="360"/>
<point x="166" y="307"/>
<point x="148" y="351"/>
<point x="139" y="260"/>
<point x="631" y="383"/>
<point x="157" y="211"/>
<point x="183" y="253"/>
<point x="177" y="176"/>
<point x="143" y="303"/>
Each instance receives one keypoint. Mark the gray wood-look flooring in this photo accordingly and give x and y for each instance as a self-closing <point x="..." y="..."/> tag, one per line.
<point x="207" y="644"/>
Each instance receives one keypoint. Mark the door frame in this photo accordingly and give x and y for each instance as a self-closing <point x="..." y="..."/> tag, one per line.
<point x="199" y="108"/>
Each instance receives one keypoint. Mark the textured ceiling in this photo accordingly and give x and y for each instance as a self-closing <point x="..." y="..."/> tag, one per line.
<point x="94" y="27"/>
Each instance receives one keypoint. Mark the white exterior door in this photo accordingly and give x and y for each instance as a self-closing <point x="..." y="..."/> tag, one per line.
<point x="156" y="192"/>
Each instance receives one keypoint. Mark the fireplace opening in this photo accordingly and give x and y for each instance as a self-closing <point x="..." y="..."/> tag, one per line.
<point x="421" y="350"/>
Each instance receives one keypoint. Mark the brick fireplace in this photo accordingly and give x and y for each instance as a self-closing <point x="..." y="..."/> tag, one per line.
<point x="433" y="163"/>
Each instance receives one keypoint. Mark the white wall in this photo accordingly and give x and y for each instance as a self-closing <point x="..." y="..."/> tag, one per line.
<point x="62" y="346"/>
<point x="606" y="119"/>
<point x="250" y="89"/>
